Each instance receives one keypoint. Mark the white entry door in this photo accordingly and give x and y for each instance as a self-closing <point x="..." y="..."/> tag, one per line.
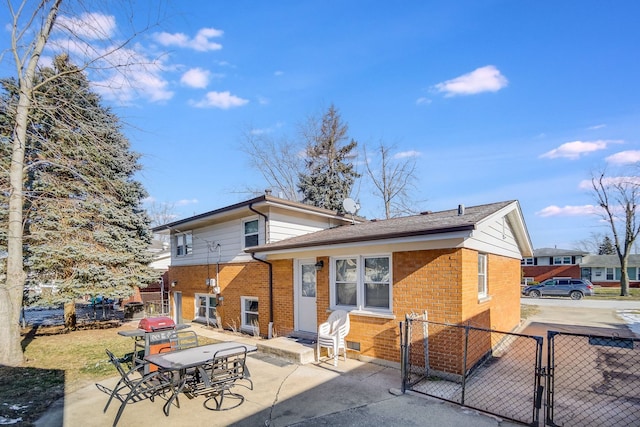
<point x="306" y="317"/>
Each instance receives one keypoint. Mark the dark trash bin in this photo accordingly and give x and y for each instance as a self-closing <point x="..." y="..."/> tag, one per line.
<point x="134" y="310"/>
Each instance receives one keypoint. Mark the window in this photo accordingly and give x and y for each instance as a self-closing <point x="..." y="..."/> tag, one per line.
<point x="558" y="260"/>
<point x="363" y="283"/>
<point x="205" y="310"/>
<point x="526" y="261"/>
<point x="184" y="244"/>
<point x="482" y="275"/>
<point x="250" y="232"/>
<point x="610" y="273"/>
<point x="250" y="315"/>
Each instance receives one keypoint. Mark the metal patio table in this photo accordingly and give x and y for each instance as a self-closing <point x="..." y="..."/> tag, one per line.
<point x="182" y="360"/>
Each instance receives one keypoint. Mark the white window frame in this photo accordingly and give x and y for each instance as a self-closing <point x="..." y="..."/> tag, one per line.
<point x="245" y="235"/>
<point x="527" y="261"/>
<point x="184" y="243"/>
<point x="482" y="275"/>
<point x="610" y="271"/>
<point x="360" y="285"/>
<point x="563" y="260"/>
<point x="209" y="306"/>
<point x="250" y="328"/>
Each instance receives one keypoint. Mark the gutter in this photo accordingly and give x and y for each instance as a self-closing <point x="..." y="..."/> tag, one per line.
<point x="253" y="255"/>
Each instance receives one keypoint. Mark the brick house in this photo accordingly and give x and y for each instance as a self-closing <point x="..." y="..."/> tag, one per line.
<point x="211" y="279"/>
<point x="459" y="265"/>
<point x="549" y="263"/>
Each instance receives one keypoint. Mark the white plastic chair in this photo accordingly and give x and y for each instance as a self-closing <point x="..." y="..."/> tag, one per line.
<point x="332" y="334"/>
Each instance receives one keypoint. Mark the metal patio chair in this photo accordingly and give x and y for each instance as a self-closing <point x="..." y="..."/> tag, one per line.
<point x="132" y="387"/>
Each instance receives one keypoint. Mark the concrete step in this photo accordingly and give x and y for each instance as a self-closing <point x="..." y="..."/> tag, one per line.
<point x="299" y="350"/>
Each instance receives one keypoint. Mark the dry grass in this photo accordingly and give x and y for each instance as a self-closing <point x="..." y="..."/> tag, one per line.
<point x="614" y="294"/>
<point x="527" y="311"/>
<point x="58" y="362"/>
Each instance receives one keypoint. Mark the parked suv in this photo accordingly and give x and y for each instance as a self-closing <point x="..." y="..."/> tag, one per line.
<point x="574" y="288"/>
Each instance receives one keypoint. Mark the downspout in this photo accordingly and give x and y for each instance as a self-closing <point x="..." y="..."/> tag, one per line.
<point x="253" y="255"/>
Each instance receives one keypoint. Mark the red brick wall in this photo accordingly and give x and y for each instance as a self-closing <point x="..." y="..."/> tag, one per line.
<point x="544" y="272"/>
<point x="234" y="280"/>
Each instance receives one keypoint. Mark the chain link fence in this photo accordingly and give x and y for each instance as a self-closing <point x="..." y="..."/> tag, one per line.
<point x="593" y="380"/>
<point x="589" y="380"/>
<point x="495" y="372"/>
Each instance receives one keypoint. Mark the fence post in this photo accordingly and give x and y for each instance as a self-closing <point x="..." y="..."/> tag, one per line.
<point x="403" y="366"/>
<point x="464" y="362"/>
<point x="425" y="341"/>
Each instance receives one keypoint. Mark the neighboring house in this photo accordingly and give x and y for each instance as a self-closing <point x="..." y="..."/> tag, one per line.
<point x="213" y="280"/>
<point x="604" y="270"/>
<point x="547" y="263"/>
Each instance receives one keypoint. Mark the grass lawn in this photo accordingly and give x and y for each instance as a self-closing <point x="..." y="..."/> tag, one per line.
<point x="614" y="294"/>
<point x="57" y="363"/>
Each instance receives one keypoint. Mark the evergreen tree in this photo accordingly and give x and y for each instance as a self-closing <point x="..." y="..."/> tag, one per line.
<point x="329" y="173"/>
<point x="84" y="230"/>
<point x="606" y="247"/>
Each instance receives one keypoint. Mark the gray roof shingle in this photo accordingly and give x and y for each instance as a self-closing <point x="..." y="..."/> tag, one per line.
<point x="415" y="225"/>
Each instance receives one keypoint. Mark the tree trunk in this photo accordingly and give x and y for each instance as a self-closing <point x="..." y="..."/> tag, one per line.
<point x="624" y="281"/>
<point x="11" y="292"/>
<point x="70" y="315"/>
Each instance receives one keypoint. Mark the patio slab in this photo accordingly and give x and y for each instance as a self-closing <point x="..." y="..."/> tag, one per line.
<point x="284" y="394"/>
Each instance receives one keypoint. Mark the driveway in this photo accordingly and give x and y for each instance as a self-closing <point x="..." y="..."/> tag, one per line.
<point x="597" y="317"/>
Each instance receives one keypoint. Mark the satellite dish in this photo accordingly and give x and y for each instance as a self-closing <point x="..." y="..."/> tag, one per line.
<point x="350" y="206"/>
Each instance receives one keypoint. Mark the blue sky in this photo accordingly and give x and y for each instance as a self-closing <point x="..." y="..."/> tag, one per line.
<point x="496" y="100"/>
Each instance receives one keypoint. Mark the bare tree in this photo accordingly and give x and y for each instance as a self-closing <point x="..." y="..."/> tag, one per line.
<point x="278" y="159"/>
<point x="32" y="25"/>
<point x="618" y="197"/>
<point x="590" y="244"/>
<point x="160" y="214"/>
<point x="394" y="179"/>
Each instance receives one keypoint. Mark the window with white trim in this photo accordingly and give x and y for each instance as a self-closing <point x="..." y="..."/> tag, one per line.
<point x="249" y="309"/>
<point x="362" y="283"/>
<point x="559" y="260"/>
<point x="610" y="273"/>
<point x="526" y="261"/>
<point x="250" y="233"/>
<point x="482" y="275"/>
<point x="184" y="243"/>
<point x="205" y="308"/>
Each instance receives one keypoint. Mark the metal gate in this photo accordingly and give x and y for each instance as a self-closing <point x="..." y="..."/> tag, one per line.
<point x="589" y="380"/>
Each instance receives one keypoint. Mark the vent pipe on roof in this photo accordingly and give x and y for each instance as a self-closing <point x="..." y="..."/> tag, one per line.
<point x="460" y="209"/>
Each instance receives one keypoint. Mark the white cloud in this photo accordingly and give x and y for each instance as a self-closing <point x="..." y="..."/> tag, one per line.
<point x="223" y="100"/>
<point x="586" y="184"/>
<point x="596" y="127"/>
<point x="624" y="157"/>
<point x="483" y="79"/>
<point x="201" y="42"/>
<point x="423" y="101"/>
<point x="94" y="26"/>
<point x="405" y="154"/>
<point x="554" y="210"/>
<point x="196" y="78"/>
<point x="278" y="73"/>
<point x="137" y="76"/>
<point x="573" y="150"/>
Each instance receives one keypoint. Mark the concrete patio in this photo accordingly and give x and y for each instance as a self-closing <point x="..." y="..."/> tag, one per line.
<point x="285" y="393"/>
